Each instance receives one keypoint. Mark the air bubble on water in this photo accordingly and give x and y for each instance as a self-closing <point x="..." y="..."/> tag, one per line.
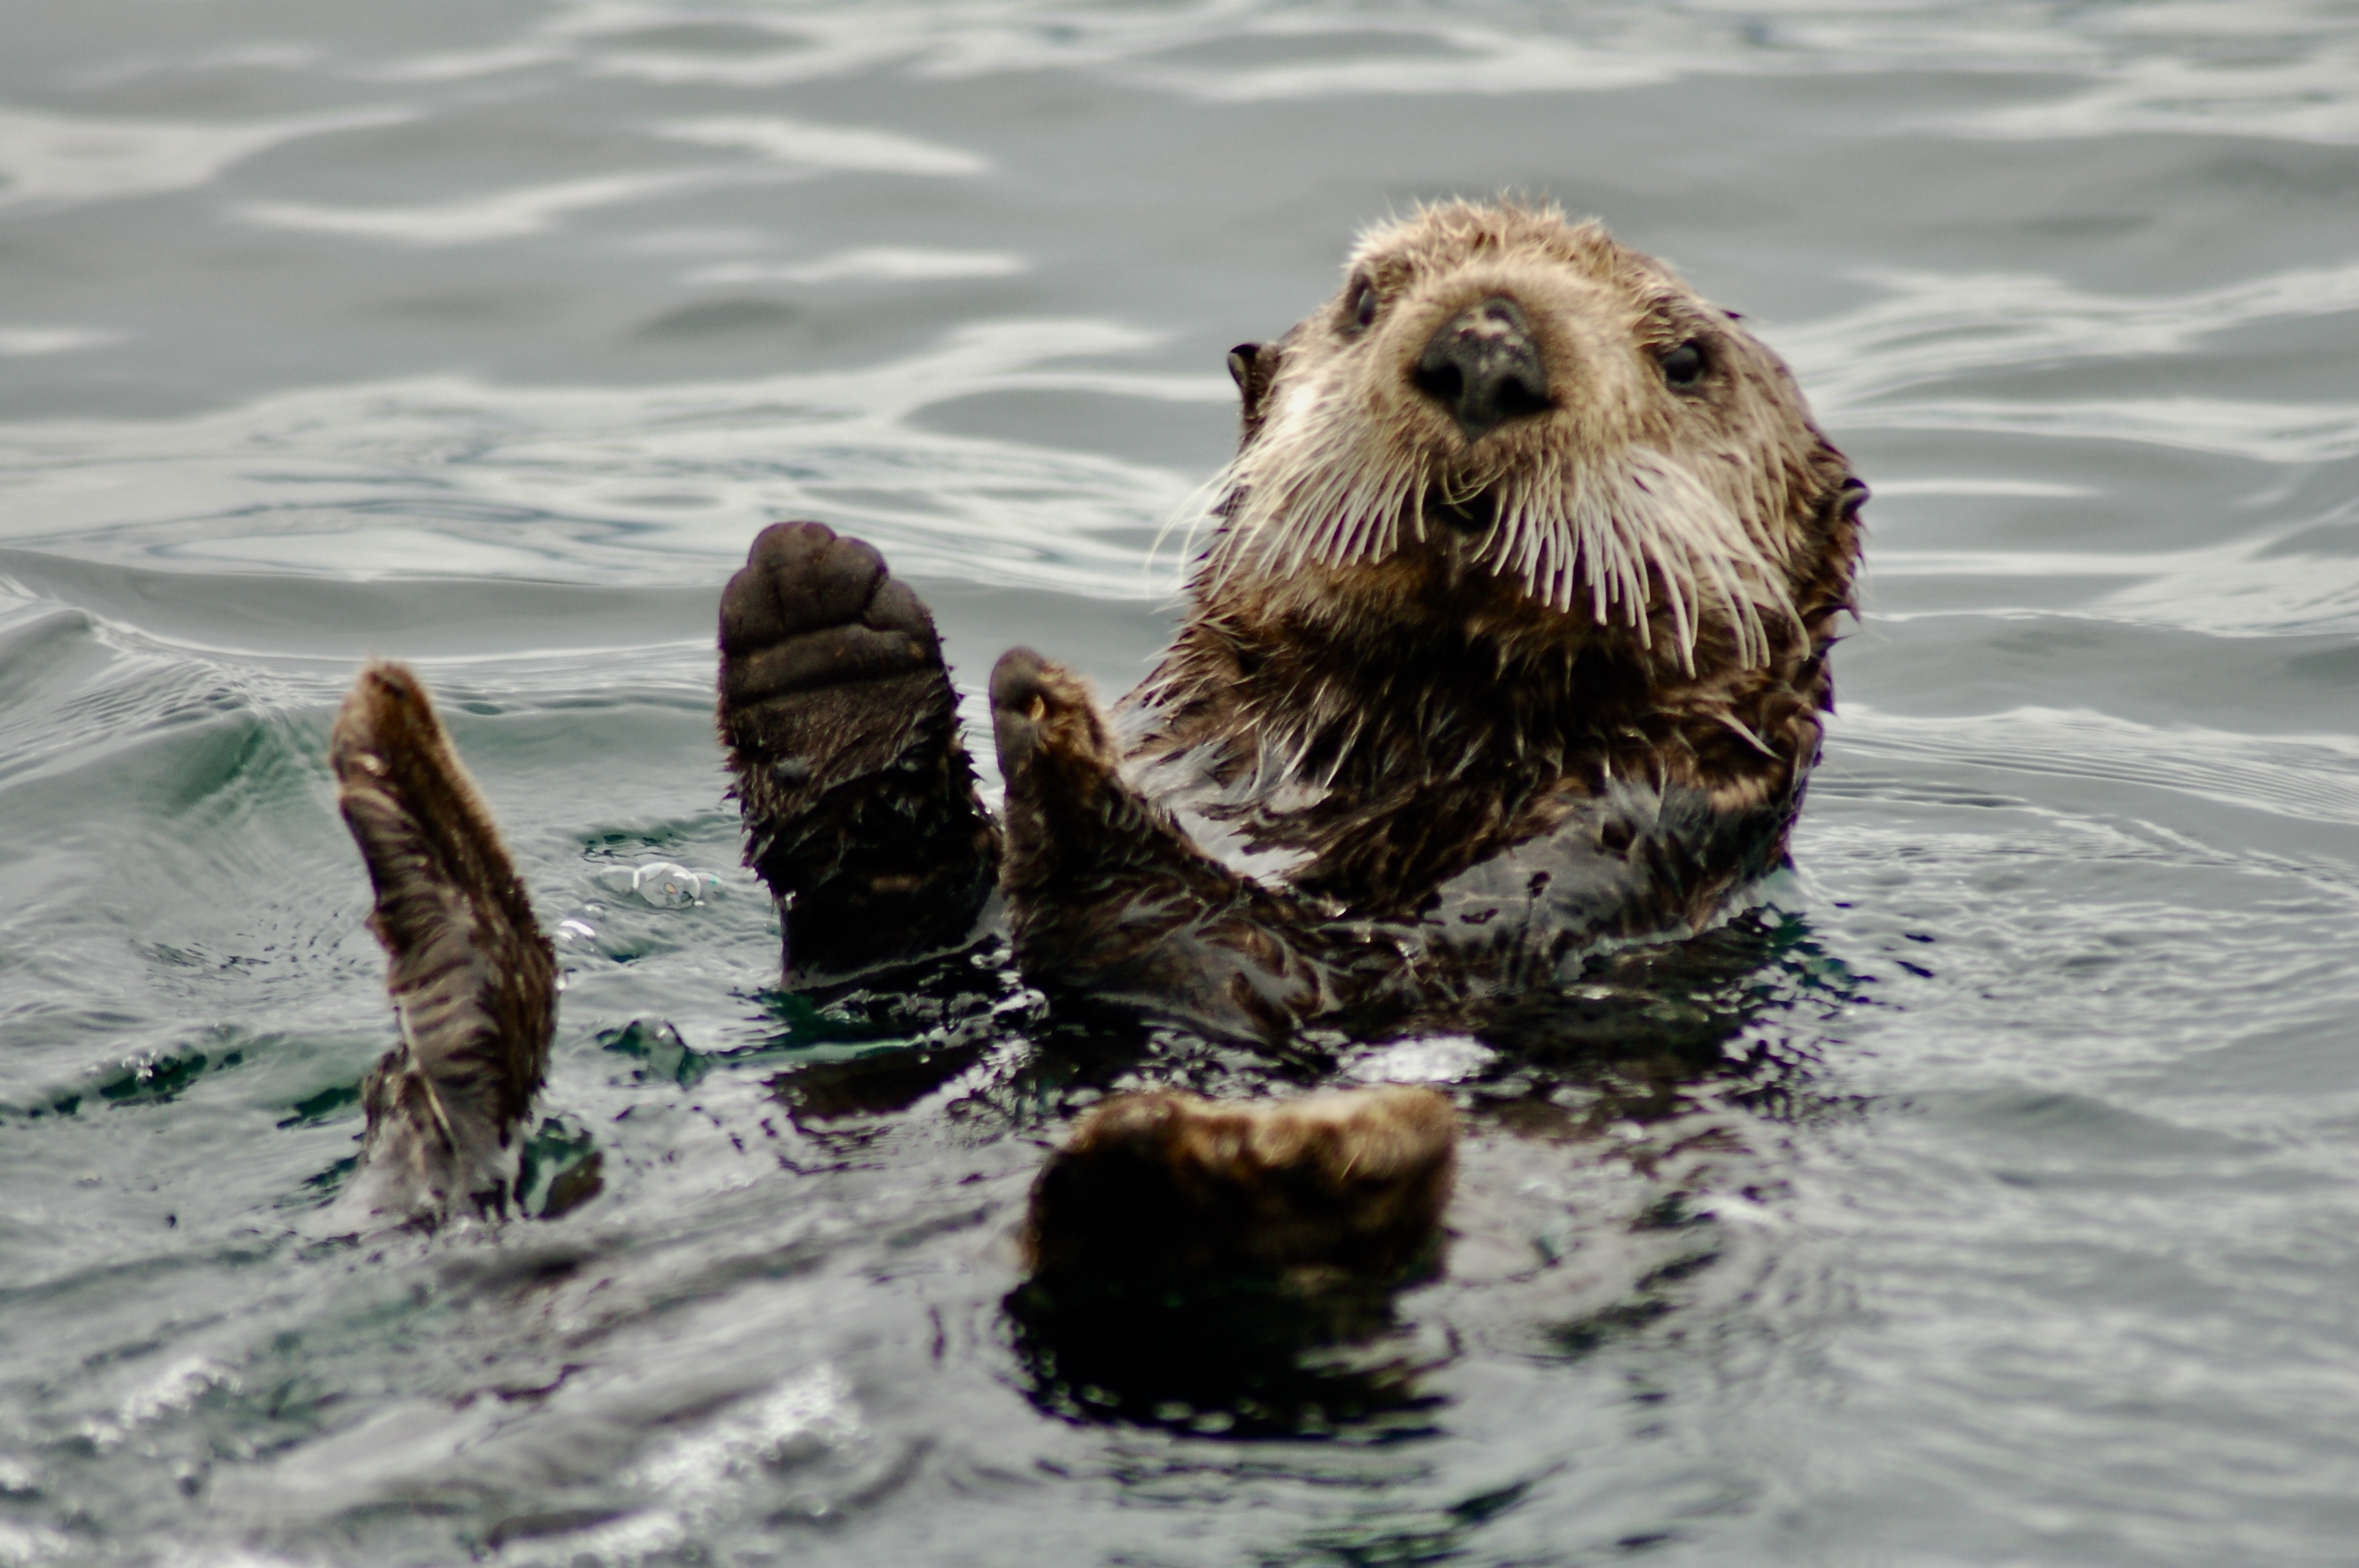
<point x="667" y="886"/>
<point x="1434" y="1059"/>
<point x="661" y="883"/>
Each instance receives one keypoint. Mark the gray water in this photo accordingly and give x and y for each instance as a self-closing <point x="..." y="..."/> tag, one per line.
<point x="1996" y="1203"/>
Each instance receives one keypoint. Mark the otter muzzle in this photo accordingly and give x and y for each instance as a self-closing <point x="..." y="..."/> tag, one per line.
<point x="1484" y="368"/>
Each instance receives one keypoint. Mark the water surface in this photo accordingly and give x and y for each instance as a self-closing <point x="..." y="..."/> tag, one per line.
<point x="1998" y="1204"/>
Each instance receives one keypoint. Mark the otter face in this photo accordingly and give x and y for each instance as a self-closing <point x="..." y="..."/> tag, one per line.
<point x="1497" y="381"/>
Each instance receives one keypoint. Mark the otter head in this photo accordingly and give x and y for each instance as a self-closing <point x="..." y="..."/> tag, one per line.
<point x="1497" y="389"/>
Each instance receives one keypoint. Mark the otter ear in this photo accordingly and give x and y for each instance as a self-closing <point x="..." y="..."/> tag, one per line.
<point x="1253" y="366"/>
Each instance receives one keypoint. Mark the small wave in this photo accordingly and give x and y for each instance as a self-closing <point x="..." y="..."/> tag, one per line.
<point x="1462" y="60"/>
<point x="886" y="263"/>
<point x="788" y="149"/>
<point x="2248" y="587"/>
<point x="1229" y="51"/>
<point x="503" y="215"/>
<point x="549" y="482"/>
<point x="2311" y="99"/>
<point x="57" y="160"/>
<point x="1933" y="327"/>
<point x="2307" y="777"/>
<point x="175" y="1388"/>
<point x="828" y="147"/>
<point x="2258" y="432"/>
<point x="30" y="342"/>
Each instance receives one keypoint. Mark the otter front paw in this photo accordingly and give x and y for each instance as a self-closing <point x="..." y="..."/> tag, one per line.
<point x="1050" y="735"/>
<point x="1076" y="833"/>
<point x="1107" y="893"/>
<point x="842" y="728"/>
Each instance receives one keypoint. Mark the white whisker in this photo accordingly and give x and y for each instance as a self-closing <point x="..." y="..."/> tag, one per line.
<point x="1629" y="538"/>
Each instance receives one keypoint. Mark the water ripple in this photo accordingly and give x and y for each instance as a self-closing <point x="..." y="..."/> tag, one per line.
<point x="55" y="160"/>
<point x="2310" y="778"/>
<point x="540" y="481"/>
<point x="2311" y="99"/>
<point x="1933" y="327"/>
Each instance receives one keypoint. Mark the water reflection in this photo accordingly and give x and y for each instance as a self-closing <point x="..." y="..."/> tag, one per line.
<point x="1239" y="1358"/>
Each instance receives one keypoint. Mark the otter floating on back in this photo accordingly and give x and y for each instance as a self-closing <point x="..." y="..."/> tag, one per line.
<point x="1510" y="639"/>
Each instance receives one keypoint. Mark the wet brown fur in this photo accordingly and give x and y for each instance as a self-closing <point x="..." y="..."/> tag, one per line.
<point x="1433" y="707"/>
<point x="472" y="980"/>
<point x="1167" y="1185"/>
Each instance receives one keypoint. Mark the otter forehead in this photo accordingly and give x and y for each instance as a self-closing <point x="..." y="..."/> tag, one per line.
<point x="1514" y="324"/>
<point x="1440" y="239"/>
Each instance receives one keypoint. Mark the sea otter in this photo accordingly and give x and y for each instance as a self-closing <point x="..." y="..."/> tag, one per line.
<point x="1510" y="640"/>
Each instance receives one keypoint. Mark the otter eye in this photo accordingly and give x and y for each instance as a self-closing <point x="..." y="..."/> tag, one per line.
<point x="1683" y="366"/>
<point x="1364" y="304"/>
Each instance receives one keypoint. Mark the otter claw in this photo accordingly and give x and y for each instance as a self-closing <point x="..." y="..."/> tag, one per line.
<point x="1039" y="708"/>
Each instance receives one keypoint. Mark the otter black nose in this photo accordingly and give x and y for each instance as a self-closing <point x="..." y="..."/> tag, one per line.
<point x="1484" y="368"/>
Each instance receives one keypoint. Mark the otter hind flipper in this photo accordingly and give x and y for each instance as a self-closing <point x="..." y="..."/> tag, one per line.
<point x="472" y="980"/>
<point x="842" y="728"/>
<point x="1106" y="894"/>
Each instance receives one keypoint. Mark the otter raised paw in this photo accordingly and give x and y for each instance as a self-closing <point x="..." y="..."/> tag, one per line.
<point x="473" y="981"/>
<point x="841" y="730"/>
<point x="1107" y="894"/>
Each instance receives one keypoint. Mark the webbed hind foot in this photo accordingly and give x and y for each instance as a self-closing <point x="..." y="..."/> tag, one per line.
<point x="842" y="726"/>
<point x="472" y="980"/>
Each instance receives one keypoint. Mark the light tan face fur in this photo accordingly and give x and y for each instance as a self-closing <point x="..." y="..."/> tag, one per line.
<point x="1627" y="501"/>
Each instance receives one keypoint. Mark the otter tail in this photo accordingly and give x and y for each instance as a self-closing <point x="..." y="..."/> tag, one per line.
<point x="473" y="981"/>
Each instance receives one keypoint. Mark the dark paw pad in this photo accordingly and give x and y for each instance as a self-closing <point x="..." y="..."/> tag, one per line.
<point x="813" y="609"/>
<point x="842" y="734"/>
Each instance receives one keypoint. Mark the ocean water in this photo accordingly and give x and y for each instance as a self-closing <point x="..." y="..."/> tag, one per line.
<point x="1996" y="1203"/>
